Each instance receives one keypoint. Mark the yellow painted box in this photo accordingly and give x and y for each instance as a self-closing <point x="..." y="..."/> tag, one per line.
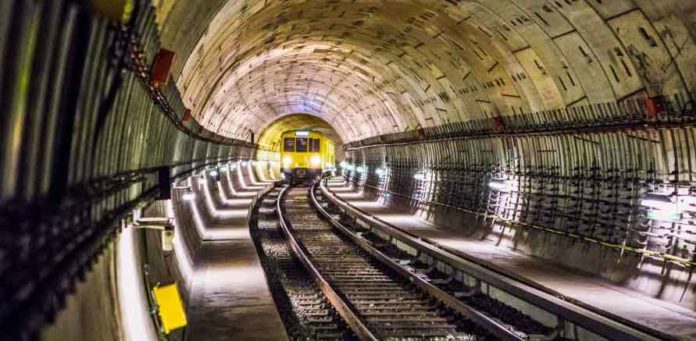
<point x="170" y="307"/>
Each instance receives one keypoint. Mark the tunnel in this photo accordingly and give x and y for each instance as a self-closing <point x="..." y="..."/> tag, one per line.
<point x="499" y="169"/>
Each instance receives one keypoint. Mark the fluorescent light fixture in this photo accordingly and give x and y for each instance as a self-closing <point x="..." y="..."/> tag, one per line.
<point x="662" y="207"/>
<point x="659" y="201"/>
<point x="420" y="175"/>
<point x="664" y="215"/>
<point x="499" y="185"/>
<point x="381" y="172"/>
<point x="302" y="133"/>
<point x="188" y="196"/>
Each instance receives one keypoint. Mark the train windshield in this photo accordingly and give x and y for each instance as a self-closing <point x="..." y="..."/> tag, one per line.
<point x="301" y="144"/>
<point x="289" y="144"/>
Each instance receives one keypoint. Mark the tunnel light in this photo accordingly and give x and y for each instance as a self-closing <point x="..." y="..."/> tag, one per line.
<point x="188" y="196"/>
<point x="361" y="169"/>
<point x="664" y="215"/>
<point x="420" y="176"/>
<point x="658" y="201"/>
<point x="662" y="207"/>
<point x="315" y="161"/>
<point x="381" y="172"/>
<point x="500" y="185"/>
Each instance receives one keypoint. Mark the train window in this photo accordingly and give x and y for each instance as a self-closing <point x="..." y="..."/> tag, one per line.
<point x="301" y="144"/>
<point x="289" y="144"/>
<point x="314" y="145"/>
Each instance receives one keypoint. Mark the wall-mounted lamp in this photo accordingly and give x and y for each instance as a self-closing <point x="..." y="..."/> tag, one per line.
<point x="420" y="176"/>
<point x="347" y="166"/>
<point x="500" y="185"/>
<point x="188" y="196"/>
<point x="662" y="207"/>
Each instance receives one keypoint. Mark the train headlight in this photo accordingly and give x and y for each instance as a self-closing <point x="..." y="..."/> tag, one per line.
<point x="287" y="161"/>
<point x="315" y="161"/>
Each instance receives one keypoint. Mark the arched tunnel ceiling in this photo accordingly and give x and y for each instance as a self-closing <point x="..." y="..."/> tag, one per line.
<point x="376" y="67"/>
<point x="270" y="135"/>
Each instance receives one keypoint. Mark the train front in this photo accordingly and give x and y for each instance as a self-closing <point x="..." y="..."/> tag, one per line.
<point x="306" y="154"/>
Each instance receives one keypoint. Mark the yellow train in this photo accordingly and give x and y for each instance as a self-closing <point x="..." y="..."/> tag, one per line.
<point x="306" y="154"/>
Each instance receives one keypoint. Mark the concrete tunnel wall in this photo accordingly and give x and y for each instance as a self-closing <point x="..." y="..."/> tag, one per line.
<point x="378" y="73"/>
<point x="547" y="97"/>
<point x="373" y="68"/>
<point x="112" y="302"/>
<point x="84" y="137"/>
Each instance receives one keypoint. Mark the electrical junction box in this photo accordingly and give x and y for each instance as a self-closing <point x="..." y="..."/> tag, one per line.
<point x="170" y="307"/>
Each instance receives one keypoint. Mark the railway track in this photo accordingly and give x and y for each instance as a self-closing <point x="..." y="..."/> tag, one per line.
<point x="304" y="308"/>
<point x="476" y="286"/>
<point x="376" y="298"/>
<point x="333" y="279"/>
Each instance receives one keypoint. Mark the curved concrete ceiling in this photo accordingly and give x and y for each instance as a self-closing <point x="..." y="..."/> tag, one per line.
<point x="376" y="67"/>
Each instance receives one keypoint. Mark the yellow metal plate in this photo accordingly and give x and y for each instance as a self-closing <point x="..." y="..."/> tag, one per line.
<point x="171" y="308"/>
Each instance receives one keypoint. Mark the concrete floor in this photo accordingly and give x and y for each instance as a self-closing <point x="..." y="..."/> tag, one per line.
<point x="612" y="299"/>
<point x="230" y="298"/>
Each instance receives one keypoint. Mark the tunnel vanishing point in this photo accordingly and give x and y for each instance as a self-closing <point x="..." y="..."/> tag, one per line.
<point x="503" y="169"/>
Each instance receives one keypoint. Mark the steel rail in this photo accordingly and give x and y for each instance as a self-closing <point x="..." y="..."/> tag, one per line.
<point x="602" y="323"/>
<point x="499" y="330"/>
<point x="341" y="306"/>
